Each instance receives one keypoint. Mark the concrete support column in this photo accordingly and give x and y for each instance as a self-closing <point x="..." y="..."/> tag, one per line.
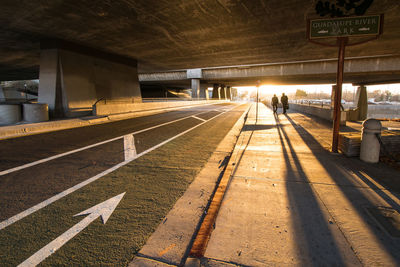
<point x="223" y="92"/>
<point x="50" y="90"/>
<point x="228" y="93"/>
<point x="2" y="96"/>
<point x="362" y="102"/>
<point x="215" y="92"/>
<point x="204" y="91"/>
<point x="73" y="78"/>
<point x="234" y="93"/>
<point x="195" y="88"/>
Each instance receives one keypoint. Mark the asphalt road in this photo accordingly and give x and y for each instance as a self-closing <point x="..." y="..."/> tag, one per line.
<point x="152" y="159"/>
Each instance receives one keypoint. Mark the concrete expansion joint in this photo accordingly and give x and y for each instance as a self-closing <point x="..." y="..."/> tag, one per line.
<point x="307" y="182"/>
<point x="192" y="262"/>
<point x="205" y="260"/>
<point x="334" y="220"/>
<point x="152" y="259"/>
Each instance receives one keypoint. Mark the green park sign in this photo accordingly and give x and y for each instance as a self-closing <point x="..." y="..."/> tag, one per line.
<point x="347" y="26"/>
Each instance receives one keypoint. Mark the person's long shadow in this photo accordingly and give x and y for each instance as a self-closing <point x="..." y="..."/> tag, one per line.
<point x="315" y="242"/>
<point x="328" y="162"/>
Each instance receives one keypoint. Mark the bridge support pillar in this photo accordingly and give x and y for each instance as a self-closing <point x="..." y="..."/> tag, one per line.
<point x="233" y="93"/>
<point x="228" y="93"/>
<point x="204" y="91"/>
<point x="362" y="102"/>
<point x="2" y="96"/>
<point x="215" y="92"/>
<point x="195" y="88"/>
<point x="73" y="78"/>
<point x="223" y="92"/>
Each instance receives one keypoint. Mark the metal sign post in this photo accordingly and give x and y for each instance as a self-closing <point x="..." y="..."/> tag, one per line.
<point x="342" y="41"/>
<point x="342" y="29"/>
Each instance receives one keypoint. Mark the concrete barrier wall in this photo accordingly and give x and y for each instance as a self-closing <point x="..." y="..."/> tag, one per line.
<point x="323" y="113"/>
<point x="383" y="111"/>
<point x="101" y="109"/>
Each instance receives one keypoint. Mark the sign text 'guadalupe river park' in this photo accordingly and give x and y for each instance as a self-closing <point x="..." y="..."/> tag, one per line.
<point x="348" y="26"/>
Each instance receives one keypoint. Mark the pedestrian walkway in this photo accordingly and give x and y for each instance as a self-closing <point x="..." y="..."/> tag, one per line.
<point x="292" y="202"/>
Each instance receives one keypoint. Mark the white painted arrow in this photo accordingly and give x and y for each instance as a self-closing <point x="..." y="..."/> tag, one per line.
<point x="103" y="210"/>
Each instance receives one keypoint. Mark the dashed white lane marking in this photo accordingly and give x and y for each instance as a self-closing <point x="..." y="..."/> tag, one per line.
<point x="47" y="202"/>
<point x="129" y="147"/>
<point x="198" y="118"/>
<point x="86" y="147"/>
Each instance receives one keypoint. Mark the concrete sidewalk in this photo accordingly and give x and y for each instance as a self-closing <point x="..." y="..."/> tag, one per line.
<point x="292" y="202"/>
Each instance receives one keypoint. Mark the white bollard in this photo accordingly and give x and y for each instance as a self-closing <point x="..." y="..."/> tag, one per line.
<point x="370" y="146"/>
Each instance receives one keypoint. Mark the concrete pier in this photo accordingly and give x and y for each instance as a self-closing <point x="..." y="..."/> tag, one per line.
<point x="73" y="78"/>
<point x="215" y="92"/>
<point x="195" y="88"/>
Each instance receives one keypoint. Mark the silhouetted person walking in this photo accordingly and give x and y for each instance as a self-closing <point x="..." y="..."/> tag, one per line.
<point x="274" y="102"/>
<point x="284" y="101"/>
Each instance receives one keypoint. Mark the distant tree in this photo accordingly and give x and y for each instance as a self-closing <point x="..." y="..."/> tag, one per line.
<point x="387" y="95"/>
<point x="301" y="93"/>
<point x="396" y="98"/>
<point x="348" y="95"/>
<point x="342" y="8"/>
<point x="376" y="95"/>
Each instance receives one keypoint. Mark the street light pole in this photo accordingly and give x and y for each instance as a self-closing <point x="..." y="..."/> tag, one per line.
<point x="258" y="85"/>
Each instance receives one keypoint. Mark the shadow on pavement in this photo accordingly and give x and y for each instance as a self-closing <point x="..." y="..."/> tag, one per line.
<point x="355" y="196"/>
<point x="313" y="235"/>
<point x="258" y="127"/>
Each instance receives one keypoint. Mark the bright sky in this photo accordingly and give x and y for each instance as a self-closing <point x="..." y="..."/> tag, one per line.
<point x="323" y="88"/>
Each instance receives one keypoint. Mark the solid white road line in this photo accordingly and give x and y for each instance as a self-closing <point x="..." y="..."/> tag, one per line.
<point x="47" y="202"/>
<point x="198" y="118"/>
<point x="87" y="147"/>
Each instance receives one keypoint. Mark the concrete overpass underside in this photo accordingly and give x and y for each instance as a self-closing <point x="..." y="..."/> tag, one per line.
<point x="100" y="46"/>
<point x="170" y="34"/>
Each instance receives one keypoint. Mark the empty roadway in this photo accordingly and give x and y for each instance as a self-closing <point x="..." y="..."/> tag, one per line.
<point x="182" y="140"/>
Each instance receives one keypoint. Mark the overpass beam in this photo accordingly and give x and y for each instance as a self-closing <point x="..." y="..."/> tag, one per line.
<point x="73" y="78"/>
<point x="195" y="88"/>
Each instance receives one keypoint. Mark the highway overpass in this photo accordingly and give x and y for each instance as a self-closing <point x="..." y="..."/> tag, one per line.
<point x="83" y="52"/>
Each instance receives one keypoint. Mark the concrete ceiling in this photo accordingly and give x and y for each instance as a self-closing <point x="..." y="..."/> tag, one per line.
<point x="177" y="34"/>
